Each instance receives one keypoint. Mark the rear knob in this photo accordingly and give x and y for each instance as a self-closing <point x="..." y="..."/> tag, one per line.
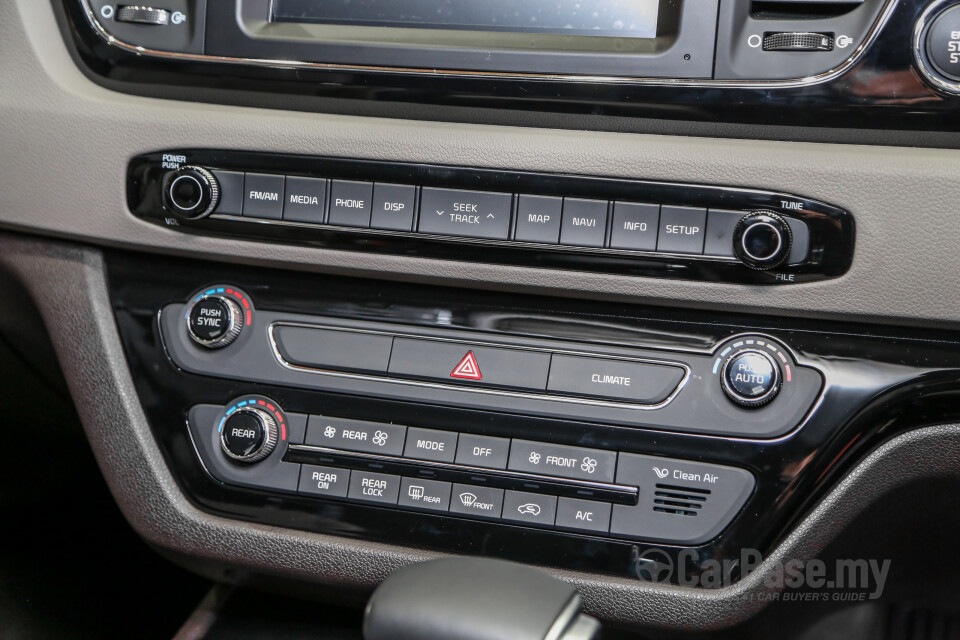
<point x="762" y="240"/>
<point x="191" y="192"/>
<point x="249" y="435"/>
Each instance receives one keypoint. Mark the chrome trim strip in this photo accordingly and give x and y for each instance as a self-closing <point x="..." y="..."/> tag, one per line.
<point x="628" y="490"/>
<point x="879" y="24"/>
<point x="497" y="345"/>
<point x="933" y="76"/>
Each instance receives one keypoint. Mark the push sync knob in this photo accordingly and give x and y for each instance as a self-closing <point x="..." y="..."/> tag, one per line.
<point x="191" y="192"/>
<point x="214" y="321"/>
<point x="762" y="240"/>
<point x="249" y="435"/>
<point x="751" y="378"/>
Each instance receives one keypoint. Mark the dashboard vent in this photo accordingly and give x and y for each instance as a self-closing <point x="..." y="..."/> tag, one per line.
<point x="801" y="9"/>
<point x="679" y="501"/>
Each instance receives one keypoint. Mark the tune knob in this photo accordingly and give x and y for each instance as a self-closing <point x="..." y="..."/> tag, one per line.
<point x="751" y="378"/>
<point x="249" y="435"/>
<point x="762" y="240"/>
<point x="191" y="192"/>
<point x="214" y="321"/>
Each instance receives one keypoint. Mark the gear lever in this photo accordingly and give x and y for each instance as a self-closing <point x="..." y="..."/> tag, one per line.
<point x="475" y="599"/>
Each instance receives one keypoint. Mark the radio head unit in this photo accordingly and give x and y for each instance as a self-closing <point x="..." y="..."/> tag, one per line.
<point x="678" y="42"/>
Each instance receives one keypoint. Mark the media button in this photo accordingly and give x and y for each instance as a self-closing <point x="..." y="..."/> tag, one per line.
<point x="304" y="200"/>
<point x="471" y="214"/>
<point x="426" y="495"/>
<point x="374" y="487"/>
<point x="532" y="508"/>
<point x="350" y="203"/>
<point x="480" y="502"/>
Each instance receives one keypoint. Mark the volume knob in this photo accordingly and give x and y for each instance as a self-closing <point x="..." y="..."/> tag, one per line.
<point x="762" y="240"/>
<point x="191" y="192"/>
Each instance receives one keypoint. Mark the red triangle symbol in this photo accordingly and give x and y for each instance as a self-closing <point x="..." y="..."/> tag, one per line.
<point x="468" y="369"/>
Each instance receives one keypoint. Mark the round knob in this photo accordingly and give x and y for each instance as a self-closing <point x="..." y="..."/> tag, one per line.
<point x="249" y="435"/>
<point x="191" y="192"/>
<point x="214" y="321"/>
<point x="751" y="378"/>
<point x="762" y="240"/>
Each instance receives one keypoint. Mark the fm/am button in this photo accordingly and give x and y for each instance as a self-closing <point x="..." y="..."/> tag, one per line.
<point x="470" y="214"/>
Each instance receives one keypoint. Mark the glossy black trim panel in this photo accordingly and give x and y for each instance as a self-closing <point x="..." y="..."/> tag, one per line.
<point x="879" y="383"/>
<point x="832" y="230"/>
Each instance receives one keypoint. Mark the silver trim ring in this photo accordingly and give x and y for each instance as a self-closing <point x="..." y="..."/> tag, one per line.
<point x="751" y="403"/>
<point x="234" y="326"/>
<point x="270" y="436"/>
<point x="173" y="200"/>
<point x="743" y="241"/>
<point x="920" y="30"/>
<point x="826" y="76"/>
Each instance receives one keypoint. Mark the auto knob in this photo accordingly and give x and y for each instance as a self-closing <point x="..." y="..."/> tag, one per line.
<point x="249" y="435"/>
<point x="214" y="321"/>
<point x="191" y="192"/>
<point x="762" y="240"/>
<point x="751" y="378"/>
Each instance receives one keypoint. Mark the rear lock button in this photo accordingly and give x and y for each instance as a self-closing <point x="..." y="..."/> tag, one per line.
<point x="751" y="378"/>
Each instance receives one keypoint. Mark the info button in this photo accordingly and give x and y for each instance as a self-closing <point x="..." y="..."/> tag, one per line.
<point x="471" y="214"/>
<point x="622" y="380"/>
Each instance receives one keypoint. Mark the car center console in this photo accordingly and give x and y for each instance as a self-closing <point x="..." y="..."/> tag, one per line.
<point x="569" y="434"/>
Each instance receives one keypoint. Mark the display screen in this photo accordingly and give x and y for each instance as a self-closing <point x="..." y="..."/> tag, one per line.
<point x="617" y="18"/>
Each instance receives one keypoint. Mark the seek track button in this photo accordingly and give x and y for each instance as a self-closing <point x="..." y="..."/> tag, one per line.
<point x="471" y="214"/>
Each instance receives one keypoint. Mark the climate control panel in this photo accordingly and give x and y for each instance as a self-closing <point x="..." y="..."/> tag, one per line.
<point x="573" y="222"/>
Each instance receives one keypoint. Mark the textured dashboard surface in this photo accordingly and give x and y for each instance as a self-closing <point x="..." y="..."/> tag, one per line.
<point x="67" y="142"/>
<point x="67" y="283"/>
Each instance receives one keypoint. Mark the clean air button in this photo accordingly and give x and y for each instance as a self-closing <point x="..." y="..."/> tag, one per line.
<point x="471" y="214"/>
<point x="621" y="380"/>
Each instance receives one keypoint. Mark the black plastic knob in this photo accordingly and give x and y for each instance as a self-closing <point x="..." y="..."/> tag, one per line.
<point x="751" y="378"/>
<point x="191" y="192"/>
<point x="762" y="240"/>
<point x="249" y="435"/>
<point x="214" y="321"/>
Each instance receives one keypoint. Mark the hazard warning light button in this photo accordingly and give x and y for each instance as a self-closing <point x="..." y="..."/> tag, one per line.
<point x="471" y="364"/>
